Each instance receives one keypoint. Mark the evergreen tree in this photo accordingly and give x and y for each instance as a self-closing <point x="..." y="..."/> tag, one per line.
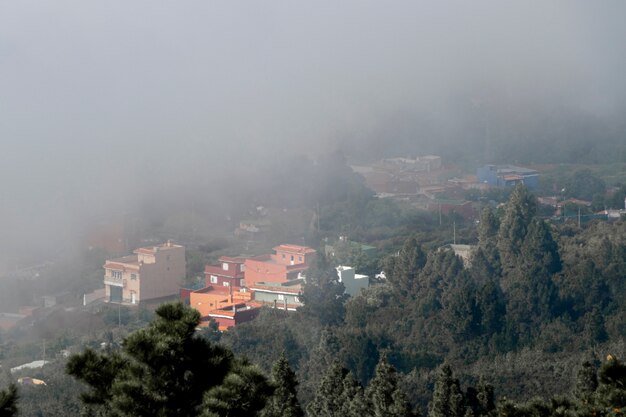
<point x="162" y="370"/>
<point x="491" y="308"/>
<point x="284" y="401"/>
<point x="243" y="393"/>
<point x="320" y="360"/>
<point x="403" y="270"/>
<point x="518" y="214"/>
<point x="488" y="227"/>
<point x="8" y="401"/>
<point x="354" y="402"/>
<point x="323" y="295"/>
<point x="447" y="400"/>
<point x="329" y="399"/>
<point x="385" y="396"/>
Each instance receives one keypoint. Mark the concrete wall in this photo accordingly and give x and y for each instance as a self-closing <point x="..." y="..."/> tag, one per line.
<point x="163" y="277"/>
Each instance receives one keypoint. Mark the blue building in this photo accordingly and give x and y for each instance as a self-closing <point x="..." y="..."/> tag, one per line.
<point x="508" y="176"/>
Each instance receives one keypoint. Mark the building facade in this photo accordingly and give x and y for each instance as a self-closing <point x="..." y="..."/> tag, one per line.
<point x="286" y="264"/>
<point x="508" y="176"/>
<point x="150" y="273"/>
<point x="230" y="272"/>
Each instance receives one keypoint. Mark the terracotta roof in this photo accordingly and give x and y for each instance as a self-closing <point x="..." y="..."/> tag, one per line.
<point x="294" y="248"/>
<point x="237" y="259"/>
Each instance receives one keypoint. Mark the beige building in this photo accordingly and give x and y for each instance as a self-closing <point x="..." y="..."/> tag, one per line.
<point x="151" y="272"/>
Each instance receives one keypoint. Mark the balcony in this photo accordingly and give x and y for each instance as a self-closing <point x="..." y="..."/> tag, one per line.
<point x="117" y="282"/>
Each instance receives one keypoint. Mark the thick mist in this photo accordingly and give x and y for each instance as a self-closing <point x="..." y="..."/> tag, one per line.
<point x="117" y="107"/>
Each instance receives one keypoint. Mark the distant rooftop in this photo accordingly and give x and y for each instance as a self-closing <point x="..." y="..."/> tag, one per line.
<point x="294" y="249"/>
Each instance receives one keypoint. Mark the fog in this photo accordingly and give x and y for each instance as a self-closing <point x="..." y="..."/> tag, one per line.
<point x="110" y="107"/>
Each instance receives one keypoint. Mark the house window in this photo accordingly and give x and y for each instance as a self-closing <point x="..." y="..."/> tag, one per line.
<point x="225" y="266"/>
<point x="116" y="274"/>
<point x="213" y="279"/>
<point x="300" y="258"/>
<point x="133" y="276"/>
<point x="292" y="258"/>
<point x="283" y="256"/>
<point x="242" y="267"/>
<point x="242" y="283"/>
<point x="296" y="299"/>
<point x="226" y="283"/>
<point x="281" y="297"/>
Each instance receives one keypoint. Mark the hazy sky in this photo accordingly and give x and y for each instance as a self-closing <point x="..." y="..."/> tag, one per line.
<point x="101" y="100"/>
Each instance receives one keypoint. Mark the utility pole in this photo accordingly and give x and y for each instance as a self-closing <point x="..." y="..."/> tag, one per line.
<point x="454" y="231"/>
<point x="439" y="214"/>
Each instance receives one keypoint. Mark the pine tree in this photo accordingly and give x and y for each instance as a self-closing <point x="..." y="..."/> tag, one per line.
<point x="385" y="396"/>
<point x="486" y="257"/>
<point x="403" y="270"/>
<point x="329" y="398"/>
<point x="243" y="393"/>
<point x="518" y="214"/>
<point x="488" y="227"/>
<point x="323" y="295"/>
<point x="447" y="400"/>
<point x="8" y="401"/>
<point x="284" y="401"/>
<point x="164" y="369"/>
<point x="353" y="398"/>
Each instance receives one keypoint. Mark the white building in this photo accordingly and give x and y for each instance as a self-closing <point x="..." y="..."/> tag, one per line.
<point x="352" y="281"/>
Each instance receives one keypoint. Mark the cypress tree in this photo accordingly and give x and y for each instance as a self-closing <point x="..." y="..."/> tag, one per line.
<point x="284" y="401"/>
<point x="385" y="396"/>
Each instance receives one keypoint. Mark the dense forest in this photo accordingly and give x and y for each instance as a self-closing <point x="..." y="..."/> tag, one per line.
<point x="523" y="325"/>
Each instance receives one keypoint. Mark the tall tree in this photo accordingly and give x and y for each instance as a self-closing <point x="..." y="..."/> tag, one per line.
<point x="162" y="370"/>
<point x="519" y="212"/>
<point x="447" y="400"/>
<point x="284" y="401"/>
<point x="354" y="402"/>
<point x="403" y="270"/>
<point x="323" y="295"/>
<point x="385" y="396"/>
<point x="329" y="398"/>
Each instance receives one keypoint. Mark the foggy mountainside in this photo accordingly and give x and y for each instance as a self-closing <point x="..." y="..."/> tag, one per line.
<point x="424" y="204"/>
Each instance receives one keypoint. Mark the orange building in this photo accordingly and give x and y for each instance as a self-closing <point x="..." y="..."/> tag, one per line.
<point x="285" y="265"/>
<point x="226" y="305"/>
